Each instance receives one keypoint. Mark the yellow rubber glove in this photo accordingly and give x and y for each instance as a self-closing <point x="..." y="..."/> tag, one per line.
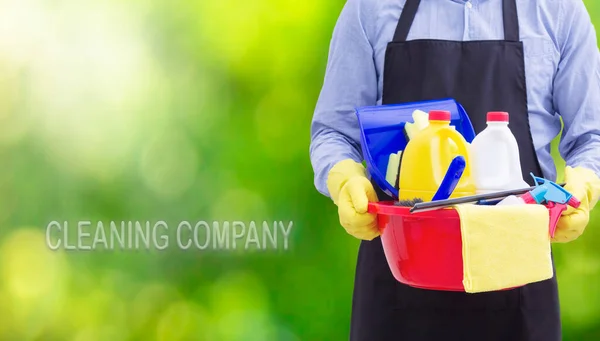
<point x="584" y="184"/>
<point x="351" y="191"/>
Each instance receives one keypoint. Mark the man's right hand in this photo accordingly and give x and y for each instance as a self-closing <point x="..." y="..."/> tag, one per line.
<point x="351" y="191"/>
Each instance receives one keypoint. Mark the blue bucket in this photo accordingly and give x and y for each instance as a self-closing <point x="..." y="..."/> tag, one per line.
<point x="382" y="132"/>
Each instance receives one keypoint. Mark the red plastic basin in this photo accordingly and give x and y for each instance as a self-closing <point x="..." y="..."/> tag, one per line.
<point x="423" y="250"/>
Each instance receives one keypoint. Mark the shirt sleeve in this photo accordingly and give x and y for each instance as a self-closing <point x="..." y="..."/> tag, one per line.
<point x="350" y="82"/>
<point x="577" y="88"/>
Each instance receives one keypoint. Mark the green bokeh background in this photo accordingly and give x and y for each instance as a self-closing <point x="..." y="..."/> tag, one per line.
<point x="182" y="110"/>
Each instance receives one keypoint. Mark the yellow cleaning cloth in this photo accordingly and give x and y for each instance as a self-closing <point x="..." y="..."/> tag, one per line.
<point x="504" y="246"/>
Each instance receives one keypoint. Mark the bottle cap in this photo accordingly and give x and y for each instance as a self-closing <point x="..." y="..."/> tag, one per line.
<point x="439" y="115"/>
<point x="497" y="116"/>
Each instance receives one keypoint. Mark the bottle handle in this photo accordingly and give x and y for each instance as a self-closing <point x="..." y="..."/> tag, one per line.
<point x="461" y="144"/>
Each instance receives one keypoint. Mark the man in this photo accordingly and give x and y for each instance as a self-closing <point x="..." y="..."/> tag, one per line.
<point x="537" y="60"/>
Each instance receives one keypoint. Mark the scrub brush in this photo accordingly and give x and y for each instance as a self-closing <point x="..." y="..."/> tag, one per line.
<point x="408" y="203"/>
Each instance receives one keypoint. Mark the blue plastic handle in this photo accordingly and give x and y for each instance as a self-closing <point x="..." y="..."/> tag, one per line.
<point x="451" y="179"/>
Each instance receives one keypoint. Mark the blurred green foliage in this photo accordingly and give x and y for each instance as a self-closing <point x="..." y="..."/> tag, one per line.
<point x="182" y="110"/>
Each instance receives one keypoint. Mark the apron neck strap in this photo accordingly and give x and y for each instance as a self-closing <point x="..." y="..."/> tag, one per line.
<point x="406" y="19"/>
<point x="511" y="20"/>
<point x="509" y="15"/>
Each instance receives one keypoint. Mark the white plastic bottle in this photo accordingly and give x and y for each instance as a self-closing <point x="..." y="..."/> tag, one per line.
<point x="495" y="157"/>
<point x="512" y="200"/>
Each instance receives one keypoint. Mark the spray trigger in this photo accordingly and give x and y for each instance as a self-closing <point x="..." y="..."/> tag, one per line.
<point x="554" y="197"/>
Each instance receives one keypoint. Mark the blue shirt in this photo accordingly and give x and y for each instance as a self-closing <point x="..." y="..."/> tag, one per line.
<point x="561" y="65"/>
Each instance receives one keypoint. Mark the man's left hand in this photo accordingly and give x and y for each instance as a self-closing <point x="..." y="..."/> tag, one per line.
<point x="584" y="185"/>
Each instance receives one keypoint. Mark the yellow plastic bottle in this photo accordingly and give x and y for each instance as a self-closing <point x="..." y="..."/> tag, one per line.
<point x="427" y="157"/>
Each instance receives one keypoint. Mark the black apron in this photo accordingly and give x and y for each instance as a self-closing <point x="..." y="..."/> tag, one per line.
<point x="483" y="76"/>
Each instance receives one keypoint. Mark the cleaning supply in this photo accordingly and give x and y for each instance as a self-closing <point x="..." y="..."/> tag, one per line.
<point x="421" y="121"/>
<point x="511" y="200"/>
<point x="535" y="196"/>
<point x="495" y="154"/>
<point x="496" y="255"/>
<point x="546" y="192"/>
<point x="351" y="191"/>
<point x="427" y="157"/>
<point x="488" y="199"/>
<point x="408" y="202"/>
<point x="411" y="129"/>
<point x="423" y="251"/>
<point x="382" y="132"/>
<point x="585" y="185"/>
<point x="391" y="176"/>
<point x="450" y="181"/>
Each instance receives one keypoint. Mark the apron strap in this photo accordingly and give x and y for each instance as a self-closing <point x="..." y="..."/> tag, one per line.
<point x="511" y="20"/>
<point x="509" y="15"/>
<point x="406" y="19"/>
